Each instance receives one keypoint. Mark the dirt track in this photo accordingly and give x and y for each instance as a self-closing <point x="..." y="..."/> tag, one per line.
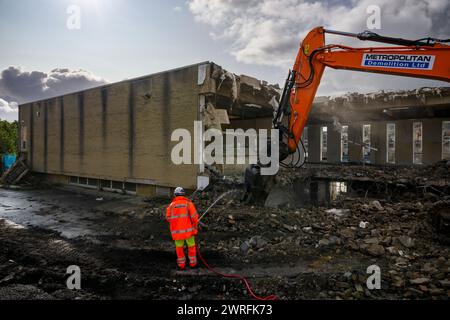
<point x="122" y="245"/>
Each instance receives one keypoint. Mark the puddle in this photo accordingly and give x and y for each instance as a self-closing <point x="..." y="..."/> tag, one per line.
<point x="40" y="208"/>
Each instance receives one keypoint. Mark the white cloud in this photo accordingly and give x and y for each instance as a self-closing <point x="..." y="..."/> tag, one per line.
<point x="268" y="32"/>
<point x="24" y="86"/>
<point x="20" y="86"/>
<point x="8" y="110"/>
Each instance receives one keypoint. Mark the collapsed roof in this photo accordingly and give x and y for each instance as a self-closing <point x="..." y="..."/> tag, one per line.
<point x="384" y="105"/>
<point x="242" y="96"/>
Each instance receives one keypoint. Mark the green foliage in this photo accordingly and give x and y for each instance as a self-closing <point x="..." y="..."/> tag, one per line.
<point x="8" y="136"/>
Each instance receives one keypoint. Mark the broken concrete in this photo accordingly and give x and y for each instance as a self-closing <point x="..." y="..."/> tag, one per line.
<point x="308" y="252"/>
<point x="244" y="97"/>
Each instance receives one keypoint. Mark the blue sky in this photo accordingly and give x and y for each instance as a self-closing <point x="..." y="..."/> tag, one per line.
<point x="118" y="39"/>
<point x="122" y="39"/>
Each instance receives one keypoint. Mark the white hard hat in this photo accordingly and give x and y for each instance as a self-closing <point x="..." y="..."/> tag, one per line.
<point x="179" y="191"/>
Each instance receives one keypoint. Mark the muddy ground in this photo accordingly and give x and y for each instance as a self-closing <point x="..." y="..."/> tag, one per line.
<point x="321" y="251"/>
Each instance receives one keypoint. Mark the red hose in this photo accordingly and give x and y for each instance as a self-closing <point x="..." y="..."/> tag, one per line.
<point x="235" y="276"/>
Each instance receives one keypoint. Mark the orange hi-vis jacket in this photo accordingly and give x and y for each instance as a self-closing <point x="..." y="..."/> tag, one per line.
<point x="183" y="218"/>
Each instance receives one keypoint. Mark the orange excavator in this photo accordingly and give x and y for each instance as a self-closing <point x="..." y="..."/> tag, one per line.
<point x="427" y="58"/>
<point x="424" y="58"/>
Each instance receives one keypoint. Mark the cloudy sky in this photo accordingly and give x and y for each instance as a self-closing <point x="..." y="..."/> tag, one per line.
<point x="119" y="39"/>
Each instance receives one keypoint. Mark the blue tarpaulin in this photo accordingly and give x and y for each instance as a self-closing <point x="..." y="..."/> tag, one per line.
<point x="8" y="160"/>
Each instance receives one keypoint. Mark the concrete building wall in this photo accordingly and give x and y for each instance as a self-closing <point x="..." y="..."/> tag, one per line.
<point x="119" y="135"/>
<point x="355" y="135"/>
<point x="314" y="132"/>
<point x="334" y="145"/>
<point x="404" y="144"/>
<point x="432" y="141"/>
<point x="119" y="132"/>
<point x="379" y="141"/>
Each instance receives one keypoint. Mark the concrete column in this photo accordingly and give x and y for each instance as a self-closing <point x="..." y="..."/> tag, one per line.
<point x="314" y="143"/>
<point x="334" y="145"/>
<point x="379" y="141"/>
<point x="404" y="142"/>
<point x="432" y="140"/>
<point x="355" y="135"/>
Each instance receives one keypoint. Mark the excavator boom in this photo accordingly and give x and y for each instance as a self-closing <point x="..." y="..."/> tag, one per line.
<point x="425" y="58"/>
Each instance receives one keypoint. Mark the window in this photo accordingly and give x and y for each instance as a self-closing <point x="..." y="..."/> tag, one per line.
<point x="390" y="143"/>
<point x="93" y="182"/>
<point x="366" y="143"/>
<point x="446" y="140"/>
<point x="344" y="144"/>
<point x="305" y="141"/>
<point x="117" y="185"/>
<point x="323" y="143"/>
<point x="105" y="184"/>
<point x="130" y="187"/>
<point x="417" y="142"/>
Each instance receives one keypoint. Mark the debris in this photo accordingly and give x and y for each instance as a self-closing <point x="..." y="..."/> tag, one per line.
<point x="324" y="242"/>
<point x="363" y="224"/>
<point x="338" y="213"/>
<point x="376" y="250"/>
<point x="377" y="205"/>
<point x="307" y="229"/>
<point x="420" y="281"/>
<point x="257" y="242"/>
<point x="305" y="251"/>
<point x="16" y="172"/>
<point x="406" y="241"/>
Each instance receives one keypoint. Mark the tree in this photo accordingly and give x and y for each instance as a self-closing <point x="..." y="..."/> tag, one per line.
<point x="9" y="135"/>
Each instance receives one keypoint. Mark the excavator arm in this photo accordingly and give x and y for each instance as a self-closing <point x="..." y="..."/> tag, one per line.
<point x="425" y="58"/>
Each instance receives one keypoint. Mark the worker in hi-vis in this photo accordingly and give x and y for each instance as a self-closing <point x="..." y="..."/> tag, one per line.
<point x="183" y="219"/>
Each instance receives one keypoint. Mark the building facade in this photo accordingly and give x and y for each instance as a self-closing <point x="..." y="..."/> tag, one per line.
<point x="394" y="128"/>
<point x="119" y="136"/>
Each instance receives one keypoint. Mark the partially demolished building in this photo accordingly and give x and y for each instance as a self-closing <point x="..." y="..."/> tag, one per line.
<point x="118" y="136"/>
<point x="387" y="128"/>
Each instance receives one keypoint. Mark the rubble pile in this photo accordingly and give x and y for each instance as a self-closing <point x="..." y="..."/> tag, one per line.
<point x="244" y="96"/>
<point x="437" y="174"/>
<point x="335" y="244"/>
<point x="310" y="252"/>
<point x="393" y="97"/>
<point x="339" y="244"/>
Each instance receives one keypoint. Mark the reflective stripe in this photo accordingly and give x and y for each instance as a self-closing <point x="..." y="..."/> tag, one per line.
<point x="177" y="206"/>
<point x="178" y="216"/>
<point x="181" y="260"/>
<point x="183" y="231"/>
<point x="193" y="259"/>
